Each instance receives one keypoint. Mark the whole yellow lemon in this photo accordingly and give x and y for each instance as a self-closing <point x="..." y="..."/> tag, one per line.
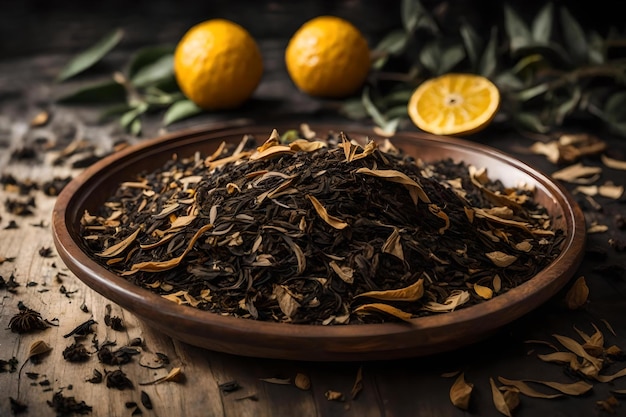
<point x="328" y="57"/>
<point x="218" y="64"/>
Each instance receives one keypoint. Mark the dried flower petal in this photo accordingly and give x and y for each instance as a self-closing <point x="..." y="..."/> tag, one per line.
<point x="461" y="392"/>
<point x="333" y="221"/>
<point x="577" y="295"/>
<point x="383" y="308"/>
<point x="525" y="389"/>
<point x="413" y="292"/>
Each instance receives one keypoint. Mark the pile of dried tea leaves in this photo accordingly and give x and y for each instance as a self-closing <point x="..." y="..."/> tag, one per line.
<point x="321" y="231"/>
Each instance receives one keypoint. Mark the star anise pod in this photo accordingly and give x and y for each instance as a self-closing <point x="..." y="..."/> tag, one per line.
<point x="27" y="320"/>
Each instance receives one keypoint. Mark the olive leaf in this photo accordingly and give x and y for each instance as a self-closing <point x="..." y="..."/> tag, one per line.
<point x="103" y="92"/>
<point x="90" y="56"/>
<point x="518" y="32"/>
<point x="489" y="60"/>
<point x="415" y="16"/>
<point x="353" y="109"/>
<point x="450" y="58"/>
<point x="371" y="108"/>
<point x="147" y="56"/>
<point x="542" y="25"/>
<point x="574" y="37"/>
<point x="393" y="43"/>
<point x="154" y="72"/>
<point x="180" y="110"/>
<point x="472" y="42"/>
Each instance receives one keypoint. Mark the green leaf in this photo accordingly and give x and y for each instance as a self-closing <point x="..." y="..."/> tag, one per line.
<point x="353" y="109"/>
<point x="147" y="56"/>
<point x="154" y="72"/>
<point x="507" y="80"/>
<point x="615" y="106"/>
<point x="429" y="56"/>
<point x="574" y="38"/>
<point x="130" y="116"/>
<point x="597" y="54"/>
<point x="411" y="13"/>
<point x="396" y="112"/>
<point x="180" y="110"/>
<point x="450" y="58"/>
<point x="518" y="32"/>
<point x="390" y="127"/>
<point x="568" y="105"/>
<point x="104" y="92"/>
<point x="90" y="56"/>
<point x="397" y="97"/>
<point x="415" y="16"/>
<point x="489" y="60"/>
<point x="530" y="121"/>
<point x="114" y="111"/>
<point x="371" y="108"/>
<point x="135" y="127"/>
<point x="542" y="25"/>
<point x="532" y="92"/>
<point x="472" y="43"/>
<point x="392" y="44"/>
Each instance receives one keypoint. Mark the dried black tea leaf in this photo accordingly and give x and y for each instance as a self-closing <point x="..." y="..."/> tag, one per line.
<point x="117" y="379"/>
<point x="82" y="329"/>
<point x="145" y="400"/>
<point x="17" y="407"/>
<point x="66" y="406"/>
<point x="76" y="352"/>
<point x="230" y="386"/>
<point x="96" y="378"/>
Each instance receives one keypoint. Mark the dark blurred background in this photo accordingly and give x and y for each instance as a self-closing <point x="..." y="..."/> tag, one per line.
<point x="33" y="26"/>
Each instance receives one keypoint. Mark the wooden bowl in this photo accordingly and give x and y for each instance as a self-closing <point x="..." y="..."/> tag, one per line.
<point x="423" y="336"/>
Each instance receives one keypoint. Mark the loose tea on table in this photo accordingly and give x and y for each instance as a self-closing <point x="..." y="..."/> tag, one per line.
<point x="321" y="231"/>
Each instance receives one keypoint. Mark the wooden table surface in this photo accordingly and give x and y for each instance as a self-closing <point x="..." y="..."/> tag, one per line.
<point x="408" y="387"/>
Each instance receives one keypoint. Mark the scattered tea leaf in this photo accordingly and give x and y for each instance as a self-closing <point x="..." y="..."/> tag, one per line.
<point x="278" y="381"/>
<point x="525" y="389"/>
<point x="575" y="347"/>
<point x="357" y="387"/>
<point x="577" y="295"/>
<point x="90" y="56"/>
<point x="574" y="388"/>
<point x="333" y="395"/>
<point x="499" y="401"/>
<point x="609" y="378"/>
<point x="302" y="381"/>
<point x="613" y="163"/>
<point x="578" y="174"/>
<point x="120" y="247"/>
<point x="461" y="392"/>
<point x="501" y="259"/>
<point x="175" y="375"/>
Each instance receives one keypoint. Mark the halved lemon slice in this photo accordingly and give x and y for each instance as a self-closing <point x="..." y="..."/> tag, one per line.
<point x="454" y="104"/>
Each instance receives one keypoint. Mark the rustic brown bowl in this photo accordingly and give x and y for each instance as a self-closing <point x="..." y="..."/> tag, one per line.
<point x="423" y="336"/>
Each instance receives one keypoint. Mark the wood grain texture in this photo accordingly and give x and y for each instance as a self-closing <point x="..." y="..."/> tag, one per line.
<point x="396" y="388"/>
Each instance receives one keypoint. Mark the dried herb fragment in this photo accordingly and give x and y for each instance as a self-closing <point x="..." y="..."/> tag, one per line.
<point x="96" y="378"/>
<point x="302" y="381"/>
<point x="357" y="387"/>
<point x="114" y="322"/>
<point x="119" y="356"/>
<point x="8" y="366"/>
<point x="76" y="352"/>
<point x="577" y="295"/>
<point x="230" y="386"/>
<point x="118" y="379"/>
<point x="145" y="400"/>
<point x="17" y="407"/>
<point x="82" y="329"/>
<point x="175" y="375"/>
<point x="66" y="406"/>
<point x="461" y="392"/>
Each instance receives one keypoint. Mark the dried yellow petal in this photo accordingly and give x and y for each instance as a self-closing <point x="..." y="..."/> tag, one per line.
<point x="393" y="245"/>
<point x="483" y="292"/>
<point x="333" y="221"/>
<point x="578" y="174"/>
<point x="501" y="259"/>
<point x="121" y="246"/>
<point x="525" y="389"/>
<point x="454" y="300"/>
<point x="613" y="163"/>
<point x="461" y="392"/>
<point x="413" y="292"/>
<point x="498" y="399"/>
<point x="415" y="190"/>
<point x="575" y="388"/>
<point x="385" y="309"/>
<point x="577" y="295"/>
